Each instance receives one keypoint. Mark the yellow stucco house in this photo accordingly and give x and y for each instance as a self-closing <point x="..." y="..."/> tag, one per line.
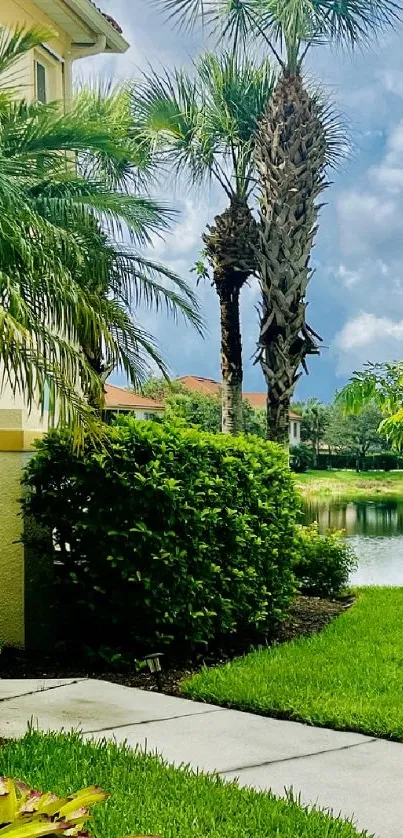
<point x="81" y="30"/>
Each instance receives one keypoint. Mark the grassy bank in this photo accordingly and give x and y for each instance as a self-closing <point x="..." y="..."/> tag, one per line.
<point x="349" y="484"/>
<point x="150" y="797"/>
<point x="349" y="677"/>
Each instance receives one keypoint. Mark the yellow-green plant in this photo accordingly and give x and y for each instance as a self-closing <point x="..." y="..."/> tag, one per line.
<point x="27" y="813"/>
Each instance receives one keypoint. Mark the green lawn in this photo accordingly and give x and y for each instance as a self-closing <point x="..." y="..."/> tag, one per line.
<point x="349" y="484"/>
<point x="350" y="676"/>
<point x="150" y="797"/>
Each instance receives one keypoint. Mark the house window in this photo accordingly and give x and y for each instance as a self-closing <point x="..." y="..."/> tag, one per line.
<point x="295" y="430"/>
<point x="40" y="82"/>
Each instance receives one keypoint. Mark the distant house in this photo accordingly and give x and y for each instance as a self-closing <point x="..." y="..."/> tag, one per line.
<point x="257" y="400"/>
<point x="118" y="400"/>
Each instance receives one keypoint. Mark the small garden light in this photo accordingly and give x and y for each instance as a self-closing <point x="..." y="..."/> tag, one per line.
<point x="154" y="665"/>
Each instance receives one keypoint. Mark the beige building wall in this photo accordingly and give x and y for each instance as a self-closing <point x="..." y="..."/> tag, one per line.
<point x="295" y="432"/>
<point x="12" y="628"/>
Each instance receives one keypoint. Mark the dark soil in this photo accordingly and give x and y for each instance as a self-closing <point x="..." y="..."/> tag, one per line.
<point x="308" y="615"/>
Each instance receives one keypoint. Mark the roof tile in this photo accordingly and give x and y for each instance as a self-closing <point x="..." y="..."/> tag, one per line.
<point x="107" y="17"/>
<point x="213" y="388"/>
<point x="119" y="397"/>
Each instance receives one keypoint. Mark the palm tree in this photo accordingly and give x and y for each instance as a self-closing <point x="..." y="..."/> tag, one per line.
<point x="298" y="139"/>
<point x="204" y="125"/>
<point x="65" y="284"/>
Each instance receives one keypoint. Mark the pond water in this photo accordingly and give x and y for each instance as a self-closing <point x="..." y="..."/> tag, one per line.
<point x="375" y="528"/>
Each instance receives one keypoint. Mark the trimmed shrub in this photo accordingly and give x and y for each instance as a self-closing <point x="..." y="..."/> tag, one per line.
<point x="167" y="537"/>
<point x="301" y="458"/>
<point x="324" y="562"/>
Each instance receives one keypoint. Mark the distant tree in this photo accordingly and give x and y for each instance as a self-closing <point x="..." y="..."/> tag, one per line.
<point x="202" y="409"/>
<point x="381" y="384"/>
<point x="159" y="388"/>
<point x="315" y="420"/>
<point x="356" y="435"/>
<point x="254" y="421"/>
<point x="195" y="408"/>
<point x="298" y="407"/>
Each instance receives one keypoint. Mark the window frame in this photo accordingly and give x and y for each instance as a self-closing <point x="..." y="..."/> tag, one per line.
<point x="41" y="64"/>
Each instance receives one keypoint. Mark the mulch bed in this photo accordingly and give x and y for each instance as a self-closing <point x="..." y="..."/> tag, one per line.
<point x="308" y="615"/>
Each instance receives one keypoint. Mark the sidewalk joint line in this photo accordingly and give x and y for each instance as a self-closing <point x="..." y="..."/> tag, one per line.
<point x="299" y="756"/>
<point x="154" y="721"/>
<point x="44" y="690"/>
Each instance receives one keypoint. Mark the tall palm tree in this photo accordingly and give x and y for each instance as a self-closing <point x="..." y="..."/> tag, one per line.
<point x="298" y="140"/>
<point x="66" y="286"/>
<point x="204" y="126"/>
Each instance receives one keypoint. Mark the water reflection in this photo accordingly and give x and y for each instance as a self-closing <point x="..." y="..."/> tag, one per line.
<point x="361" y="517"/>
<point x="375" y="528"/>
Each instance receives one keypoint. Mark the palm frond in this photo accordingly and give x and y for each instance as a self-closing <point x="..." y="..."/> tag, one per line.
<point x="17" y="42"/>
<point x="338" y="141"/>
<point x="132" y="350"/>
<point x="137" y="281"/>
<point x="110" y="105"/>
<point x="187" y="13"/>
<point x="354" y="22"/>
<point x="166" y="113"/>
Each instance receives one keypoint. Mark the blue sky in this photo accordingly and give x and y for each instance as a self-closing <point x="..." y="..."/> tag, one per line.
<point x="356" y="294"/>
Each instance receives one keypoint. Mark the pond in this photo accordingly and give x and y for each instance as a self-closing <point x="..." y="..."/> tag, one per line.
<point x="375" y="528"/>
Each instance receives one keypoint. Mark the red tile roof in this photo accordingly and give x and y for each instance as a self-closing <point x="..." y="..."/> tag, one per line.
<point x="200" y="385"/>
<point x="107" y="17"/>
<point x="119" y="397"/>
<point x="213" y="388"/>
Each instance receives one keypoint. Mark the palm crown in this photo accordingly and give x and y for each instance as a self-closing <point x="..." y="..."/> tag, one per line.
<point x="203" y="125"/>
<point x="288" y="27"/>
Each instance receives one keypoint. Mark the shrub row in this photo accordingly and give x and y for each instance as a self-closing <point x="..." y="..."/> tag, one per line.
<point x="382" y="461"/>
<point x="167" y="537"/>
<point x="302" y="458"/>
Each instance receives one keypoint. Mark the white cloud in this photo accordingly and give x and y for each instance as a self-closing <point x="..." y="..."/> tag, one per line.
<point x="366" y="219"/>
<point x="185" y="236"/>
<point x="367" y="337"/>
<point x="389" y="173"/>
<point x="392" y="81"/>
<point x="348" y="277"/>
<point x="365" y="328"/>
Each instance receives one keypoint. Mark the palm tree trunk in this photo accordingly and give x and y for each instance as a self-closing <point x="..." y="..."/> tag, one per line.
<point x="94" y="358"/>
<point x="231" y="244"/>
<point x="291" y="159"/>
<point x="231" y="355"/>
<point x="278" y="420"/>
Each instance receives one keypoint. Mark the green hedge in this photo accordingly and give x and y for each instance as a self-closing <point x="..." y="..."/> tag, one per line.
<point x="168" y="537"/>
<point x="382" y="461"/>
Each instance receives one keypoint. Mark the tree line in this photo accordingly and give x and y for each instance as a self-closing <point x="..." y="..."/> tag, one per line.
<point x="330" y="436"/>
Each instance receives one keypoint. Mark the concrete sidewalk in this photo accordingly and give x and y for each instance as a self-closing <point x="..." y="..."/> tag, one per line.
<point x="353" y="775"/>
